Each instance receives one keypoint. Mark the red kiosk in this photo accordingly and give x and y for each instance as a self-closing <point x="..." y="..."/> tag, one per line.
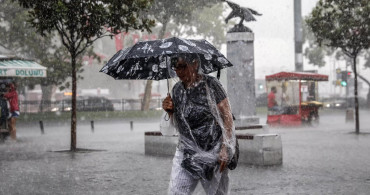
<point x="296" y="96"/>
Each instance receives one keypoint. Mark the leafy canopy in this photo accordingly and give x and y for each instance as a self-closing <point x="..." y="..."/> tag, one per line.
<point x="342" y="24"/>
<point x="20" y="37"/>
<point x="81" y="22"/>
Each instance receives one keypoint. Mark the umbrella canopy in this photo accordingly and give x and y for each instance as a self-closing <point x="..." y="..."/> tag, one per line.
<point x="150" y="60"/>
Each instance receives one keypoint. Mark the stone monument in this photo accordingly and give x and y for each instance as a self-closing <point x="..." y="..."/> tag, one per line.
<point x="240" y="78"/>
<point x="258" y="147"/>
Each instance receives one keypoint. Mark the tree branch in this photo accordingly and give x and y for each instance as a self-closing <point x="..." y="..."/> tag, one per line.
<point x="345" y="51"/>
<point x="364" y="79"/>
<point x="63" y="35"/>
<point x="63" y="41"/>
<point x="89" y="43"/>
<point x="79" y="51"/>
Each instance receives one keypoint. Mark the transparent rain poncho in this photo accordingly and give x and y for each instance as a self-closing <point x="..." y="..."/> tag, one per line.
<point x="203" y="119"/>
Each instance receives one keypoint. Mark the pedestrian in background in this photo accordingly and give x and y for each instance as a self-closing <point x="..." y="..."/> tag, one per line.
<point x="271" y="100"/>
<point x="12" y="97"/>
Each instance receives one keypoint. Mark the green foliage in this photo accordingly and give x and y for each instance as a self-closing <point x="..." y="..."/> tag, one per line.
<point x="79" y="23"/>
<point x="178" y="13"/>
<point x="20" y="37"/>
<point x="206" y="22"/>
<point x="342" y="24"/>
<point x="315" y="56"/>
<point x="189" y="19"/>
<point x="314" y="53"/>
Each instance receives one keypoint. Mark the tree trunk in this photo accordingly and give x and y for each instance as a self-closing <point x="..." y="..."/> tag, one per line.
<point x="73" y="117"/>
<point x="47" y="92"/>
<point x="148" y="87"/>
<point x="147" y="96"/>
<point x="356" y="98"/>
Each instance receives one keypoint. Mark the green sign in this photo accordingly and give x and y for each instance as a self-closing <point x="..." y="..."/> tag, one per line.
<point x="22" y="73"/>
<point x="3" y="72"/>
<point x="29" y="73"/>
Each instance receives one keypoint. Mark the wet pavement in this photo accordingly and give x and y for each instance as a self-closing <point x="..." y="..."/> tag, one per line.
<point x="328" y="159"/>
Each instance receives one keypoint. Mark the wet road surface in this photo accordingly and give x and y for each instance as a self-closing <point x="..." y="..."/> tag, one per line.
<point x="328" y="159"/>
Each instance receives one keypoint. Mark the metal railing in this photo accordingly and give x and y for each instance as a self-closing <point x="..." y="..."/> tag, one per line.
<point x="87" y="105"/>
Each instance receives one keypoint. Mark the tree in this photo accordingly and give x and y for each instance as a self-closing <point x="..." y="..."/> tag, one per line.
<point x="316" y="55"/>
<point x="178" y="12"/>
<point x="79" y="23"/>
<point x="344" y="25"/>
<point x="20" y="37"/>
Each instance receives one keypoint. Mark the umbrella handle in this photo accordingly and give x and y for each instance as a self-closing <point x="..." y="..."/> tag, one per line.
<point x="168" y="86"/>
<point x="168" y="94"/>
<point x="168" y="118"/>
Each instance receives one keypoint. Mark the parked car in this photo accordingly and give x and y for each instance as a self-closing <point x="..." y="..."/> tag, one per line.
<point x="334" y="103"/>
<point x="95" y="104"/>
<point x="342" y="102"/>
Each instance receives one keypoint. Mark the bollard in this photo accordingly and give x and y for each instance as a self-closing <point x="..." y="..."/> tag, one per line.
<point x="92" y="126"/>
<point x="131" y="125"/>
<point x="41" y="127"/>
<point x="349" y="115"/>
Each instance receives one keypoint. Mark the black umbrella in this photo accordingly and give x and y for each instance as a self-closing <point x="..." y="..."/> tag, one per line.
<point x="150" y="60"/>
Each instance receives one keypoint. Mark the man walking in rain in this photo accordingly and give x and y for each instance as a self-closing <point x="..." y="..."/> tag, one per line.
<point x="201" y="113"/>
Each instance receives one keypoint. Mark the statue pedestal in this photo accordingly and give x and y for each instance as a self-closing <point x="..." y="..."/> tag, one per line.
<point x="260" y="149"/>
<point x="255" y="149"/>
<point x="240" y="78"/>
<point x="257" y="146"/>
